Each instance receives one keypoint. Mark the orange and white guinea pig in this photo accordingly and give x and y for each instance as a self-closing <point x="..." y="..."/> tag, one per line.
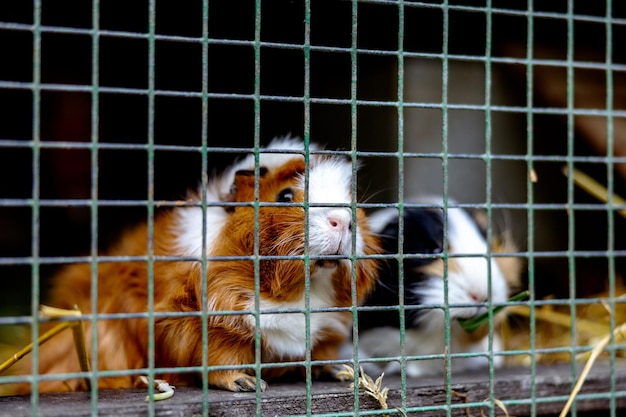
<point x="230" y="283"/>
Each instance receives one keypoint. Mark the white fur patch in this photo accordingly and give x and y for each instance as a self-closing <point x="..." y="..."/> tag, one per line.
<point x="189" y="228"/>
<point x="475" y="269"/>
<point x="379" y="219"/>
<point x="285" y="333"/>
<point x="384" y="342"/>
<point x="330" y="183"/>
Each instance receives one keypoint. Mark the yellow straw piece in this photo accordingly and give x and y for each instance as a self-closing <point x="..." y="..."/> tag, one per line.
<point x="560" y="319"/>
<point x="78" y="333"/>
<point x="597" y="350"/>
<point x="57" y="313"/>
<point x="25" y="351"/>
<point x="594" y="188"/>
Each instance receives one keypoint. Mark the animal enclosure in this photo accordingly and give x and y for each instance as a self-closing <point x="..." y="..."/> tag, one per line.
<point x="115" y="113"/>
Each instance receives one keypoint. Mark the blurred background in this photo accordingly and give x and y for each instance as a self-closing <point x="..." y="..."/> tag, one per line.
<point x="487" y="93"/>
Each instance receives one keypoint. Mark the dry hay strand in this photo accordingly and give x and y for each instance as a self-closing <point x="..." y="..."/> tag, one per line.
<point x="595" y="353"/>
<point x="372" y="388"/>
<point x="553" y="327"/>
<point x="78" y="334"/>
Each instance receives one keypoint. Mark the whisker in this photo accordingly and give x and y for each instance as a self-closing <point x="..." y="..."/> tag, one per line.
<point x="374" y="194"/>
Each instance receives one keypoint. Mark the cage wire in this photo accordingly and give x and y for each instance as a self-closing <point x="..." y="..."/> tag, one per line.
<point x="112" y="112"/>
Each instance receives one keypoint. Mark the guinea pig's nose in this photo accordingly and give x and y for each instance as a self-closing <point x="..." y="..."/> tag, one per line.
<point x="477" y="297"/>
<point x="340" y="220"/>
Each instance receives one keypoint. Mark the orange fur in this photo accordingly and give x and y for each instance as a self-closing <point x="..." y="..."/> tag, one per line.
<point x="123" y="288"/>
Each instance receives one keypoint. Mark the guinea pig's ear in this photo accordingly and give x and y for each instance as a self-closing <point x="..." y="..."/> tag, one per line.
<point x="423" y="233"/>
<point x="481" y="219"/>
<point x="244" y="178"/>
<point x="250" y="172"/>
<point x="433" y="230"/>
<point x="289" y="170"/>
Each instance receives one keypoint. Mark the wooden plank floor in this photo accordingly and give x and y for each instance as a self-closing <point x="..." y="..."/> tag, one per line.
<point x="511" y="385"/>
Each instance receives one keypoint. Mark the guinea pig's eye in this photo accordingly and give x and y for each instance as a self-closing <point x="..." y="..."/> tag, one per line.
<point x="285" y="196"/>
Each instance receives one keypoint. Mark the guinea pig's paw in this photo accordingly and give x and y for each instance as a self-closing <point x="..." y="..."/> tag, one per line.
<point x="413" y="370"/>
<point x="329" y="373"/>
<point x="248" y="383"/>
<point x="235" y="381"/>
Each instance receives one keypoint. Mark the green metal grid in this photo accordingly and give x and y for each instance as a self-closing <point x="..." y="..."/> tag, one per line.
<point x="94" y="203"/>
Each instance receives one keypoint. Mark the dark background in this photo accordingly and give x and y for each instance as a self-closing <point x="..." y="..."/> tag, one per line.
<point x="66" y="61"/>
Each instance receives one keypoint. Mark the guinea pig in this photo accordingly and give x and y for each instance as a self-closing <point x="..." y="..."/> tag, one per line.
<point x="474" y="280"/>
<point x="230" y="294"/>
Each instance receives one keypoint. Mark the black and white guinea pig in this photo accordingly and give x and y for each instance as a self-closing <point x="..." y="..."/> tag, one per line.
<point x="474" y="279"/>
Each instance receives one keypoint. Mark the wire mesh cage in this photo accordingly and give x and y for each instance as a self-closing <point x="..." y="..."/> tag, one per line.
<point x="463" y="152"/>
